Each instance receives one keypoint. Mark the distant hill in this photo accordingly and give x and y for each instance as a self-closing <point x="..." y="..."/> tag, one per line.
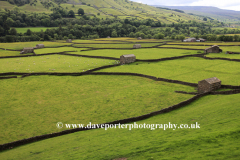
<point x="102" y="9"/>
<point x="213" y="12"/>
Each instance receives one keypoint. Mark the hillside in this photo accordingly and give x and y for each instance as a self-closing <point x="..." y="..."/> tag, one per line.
<point x="214" y="12"/>
<point x="106" y="8"/>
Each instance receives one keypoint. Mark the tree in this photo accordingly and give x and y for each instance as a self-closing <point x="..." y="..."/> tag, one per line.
<point x="131" y="35"/>
<point x="9" y="21"/>
<point x="205" y="19"/>
<point x="71" y="14"/>
<point x="29" y="32"/>
<point x="70" y="36"/>
<point x="13" y="31"/>
<point x="81" y="11"/>
<point x="126" y="21"/>
<point x="159" y="36"/>
<point x="236" y="38"/>
<point x="114" y="33"/>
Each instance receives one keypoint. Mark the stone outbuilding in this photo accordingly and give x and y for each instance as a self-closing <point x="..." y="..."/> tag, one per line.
<point x="190" y="40"/>
<point x="69" y="40"/>
<point x="213" y="49"/>
<point x="139" y="38"/>
<point x="108" y="37"/>
<point x="137" y="46"/>
<point x="209" y="84"/>
<point x="128" y="58"/>
<point x="27" y="50"/>
<point x="202" y="40"/>
<point x="40" y="46"/>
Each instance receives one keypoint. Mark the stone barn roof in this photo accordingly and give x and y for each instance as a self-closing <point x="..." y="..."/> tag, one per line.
<point x="28" y="48"/>
<point x="214" y="46"/>
<point x="212" y="80"/>
<point x="137" y="46"/>
<point x="128" y="55"/>
<point x="190" y="40"/>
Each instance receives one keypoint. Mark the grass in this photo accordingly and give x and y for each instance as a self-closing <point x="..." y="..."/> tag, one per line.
<point x="34" y="105"/>
<point x="115" y="45"/>
<point x="116" y="8"/>
<point x="21" y="45"/>
<point x="152" y="53"/>
<point x="51" y="63"/>
<point x="223" y="55"/>
<point x="205" y="43"/>
<point x="55" y="50"/>
<point x="33" y="29"/>
<point x="95" y="41"/>
<point x="4" y="53"/>
<point x="180" y="46"/>
<point x="231" y="48"/>
<point x="128" y="39"/>
<point x="187" y="69"/>
<point x="217" y="138"/>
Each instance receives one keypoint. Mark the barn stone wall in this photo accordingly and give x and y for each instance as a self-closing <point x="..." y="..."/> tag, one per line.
<point x="204" y="86"/>
<point x="126" y="60"/>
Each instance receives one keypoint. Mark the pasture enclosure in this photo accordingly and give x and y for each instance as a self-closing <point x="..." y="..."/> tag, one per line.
<point x="83" y="81"/>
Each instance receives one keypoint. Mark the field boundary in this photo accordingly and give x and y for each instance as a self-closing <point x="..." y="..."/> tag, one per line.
<point x="104" y="57"/>
<point x="122" y="121"/>
<point x="201" y="45"/>
<point x="170" y="58"/>
<point x="90" y="72"/>
<point x="218" y="58"/>
<point x="182" y="48"/>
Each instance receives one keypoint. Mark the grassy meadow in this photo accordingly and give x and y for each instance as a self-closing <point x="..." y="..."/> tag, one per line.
<point x="216" y="139"/>
<point x="32" y="106"/>
<point x="186" y="69"/>
<point x="116" y="45"/>
<point x="52" y="63"/>
<point x="46" y="100"/>
<point x="150" y="53"/>
<point x="21" y="45"/>
<point x="33" y="29"/>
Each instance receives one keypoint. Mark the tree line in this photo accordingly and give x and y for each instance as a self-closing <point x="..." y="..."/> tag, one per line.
<point x="85" y="27"/>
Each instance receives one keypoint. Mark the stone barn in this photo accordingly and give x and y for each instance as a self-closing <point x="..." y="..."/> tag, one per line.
<point x="209" y="84"/>
<point x="69" y="41"/>
<point x="139" y="38"/>
<point x="27" y="50"/>
<point x="128" y="58"/>
<point x="213" y="49"/>
<point x="190" y="40"/>
<point x="137" y="46"/>
<point x="40" y="46"/>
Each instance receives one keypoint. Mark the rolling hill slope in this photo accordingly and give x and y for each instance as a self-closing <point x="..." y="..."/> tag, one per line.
<point x="107" y="8"/>
<point x="213" y="12"/>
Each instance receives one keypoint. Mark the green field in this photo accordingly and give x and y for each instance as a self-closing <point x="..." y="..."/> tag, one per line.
<point x="150" y="53"/>
<point x="217" y="138"/>
<point x="206" y="43"/>
<point x="223" y="55"/>
<point x="31" y="106"/>
<point x="116" y="45"/>
<point x="21" y="45"/>
<point x="47" y="100"/>
<point x="183" y="46"/>
<point x="33" y="29"/>
<point x="187" y="69"/>
<point x="52" y="63"/>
